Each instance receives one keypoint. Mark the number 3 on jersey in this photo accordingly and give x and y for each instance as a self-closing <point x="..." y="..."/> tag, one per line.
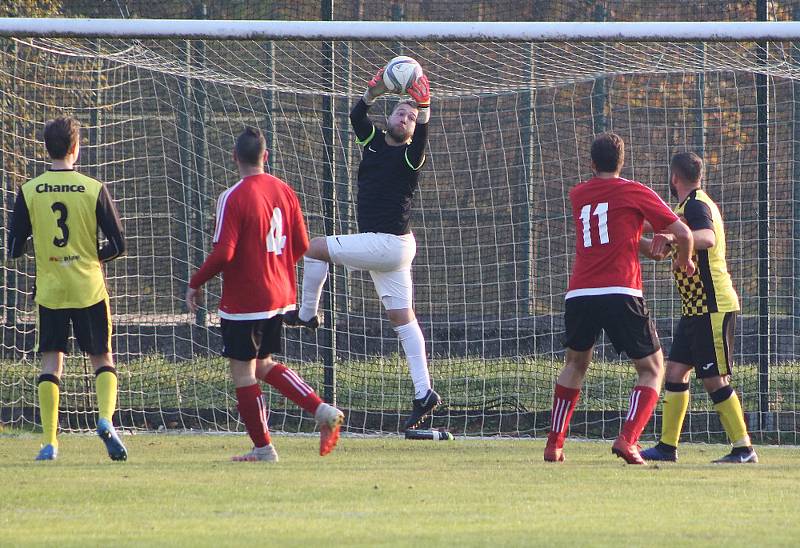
<point x="276" y="241"/>
<point x="61" y="210"/>
<point x="601" y="210"/>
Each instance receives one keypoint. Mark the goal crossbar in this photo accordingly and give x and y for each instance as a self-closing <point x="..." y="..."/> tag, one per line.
<point x="371" y="30"/>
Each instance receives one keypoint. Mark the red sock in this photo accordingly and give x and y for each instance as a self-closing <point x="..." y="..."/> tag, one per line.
<point x="292" y="386"/>
<point x="564" y="402"/>
<point x="253" y="411"/>
<point x="643" y="401"/>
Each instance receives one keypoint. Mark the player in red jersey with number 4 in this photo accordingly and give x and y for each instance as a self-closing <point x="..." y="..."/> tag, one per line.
<point x="259" y="237"/>
<point x="605" y="292"/>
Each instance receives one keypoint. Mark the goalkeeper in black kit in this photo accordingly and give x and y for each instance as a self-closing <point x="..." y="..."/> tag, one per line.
<point x="387" y="181"/>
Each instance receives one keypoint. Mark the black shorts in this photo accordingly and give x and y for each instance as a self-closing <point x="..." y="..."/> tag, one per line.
<point x="246" y="340"/>
<point x="624" y="318"/>
<point x="705" y="343"/>
<point x="91" y="327"/>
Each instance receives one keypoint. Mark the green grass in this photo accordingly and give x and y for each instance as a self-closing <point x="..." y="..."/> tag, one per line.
<point x="181" y="490"/>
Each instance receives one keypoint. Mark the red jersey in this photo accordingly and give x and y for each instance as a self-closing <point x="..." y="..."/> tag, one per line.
<point x="259" y="237"/>
<point x="609" y="215"/>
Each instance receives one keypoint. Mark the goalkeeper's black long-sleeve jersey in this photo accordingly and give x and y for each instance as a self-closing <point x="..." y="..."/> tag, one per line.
<point x="387" y="175"/>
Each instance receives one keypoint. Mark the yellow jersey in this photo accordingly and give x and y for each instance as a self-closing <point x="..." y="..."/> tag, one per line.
<point x="62" y="210"/>
<point x="710" y="288"/>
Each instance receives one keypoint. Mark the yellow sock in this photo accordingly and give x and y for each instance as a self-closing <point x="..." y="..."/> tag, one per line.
<point x="732" y="418"/>
<point x="48" y="408"/>
<point x="106" y="384"/>
<point x="676" y="402"/>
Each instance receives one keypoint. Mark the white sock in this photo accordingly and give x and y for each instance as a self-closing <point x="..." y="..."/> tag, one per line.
<point x="315" y="272"/>
<point x="414" y="346"/>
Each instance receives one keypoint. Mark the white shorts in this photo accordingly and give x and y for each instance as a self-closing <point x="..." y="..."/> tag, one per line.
<point x="388" y="259"/>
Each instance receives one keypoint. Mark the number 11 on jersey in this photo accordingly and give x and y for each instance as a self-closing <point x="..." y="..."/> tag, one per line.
<point x="601" y="210"/>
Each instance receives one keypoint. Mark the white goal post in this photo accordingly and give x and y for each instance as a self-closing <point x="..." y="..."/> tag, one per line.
<point x="515" y="106"/>
<point x="193" y="29"/>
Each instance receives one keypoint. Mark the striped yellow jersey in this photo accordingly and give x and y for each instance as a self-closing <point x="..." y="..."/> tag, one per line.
<point x="710" y="288"/>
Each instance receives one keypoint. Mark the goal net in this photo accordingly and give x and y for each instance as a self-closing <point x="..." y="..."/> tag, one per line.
<point x="512" y="121"/>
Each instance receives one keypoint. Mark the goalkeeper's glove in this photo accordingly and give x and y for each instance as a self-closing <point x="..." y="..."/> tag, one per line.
<point x="375" y="88"/>
<point x="420" y="91"/>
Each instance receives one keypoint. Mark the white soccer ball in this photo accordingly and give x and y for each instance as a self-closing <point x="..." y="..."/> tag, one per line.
<point x="400" y="73"/>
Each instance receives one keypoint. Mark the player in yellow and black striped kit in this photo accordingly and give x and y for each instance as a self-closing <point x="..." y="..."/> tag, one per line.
<point x="63" y="209"/>
<point x="703" y="339"/>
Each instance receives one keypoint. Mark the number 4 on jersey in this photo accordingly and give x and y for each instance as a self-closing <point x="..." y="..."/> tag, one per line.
<point x="276" y="241"/>
<point x="601" y="210"/>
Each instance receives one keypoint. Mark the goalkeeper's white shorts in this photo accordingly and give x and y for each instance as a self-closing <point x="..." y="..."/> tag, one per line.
<point x="388" y="259"/>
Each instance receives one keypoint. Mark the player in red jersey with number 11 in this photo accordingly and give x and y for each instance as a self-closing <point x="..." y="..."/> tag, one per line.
<point x="259" y="237"/>
<point x="605" y="292"/>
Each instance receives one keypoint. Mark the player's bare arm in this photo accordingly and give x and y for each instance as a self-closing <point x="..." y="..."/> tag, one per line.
<point x="646" y="249"/>
<point x="194" y="298"/>
<point x="704" y="238"/>
<point x="661" y="245"/>
<point x="685" y="242"/>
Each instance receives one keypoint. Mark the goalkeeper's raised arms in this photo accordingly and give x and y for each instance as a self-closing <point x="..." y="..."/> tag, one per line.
<point x="375" y="87"/>
<point x="420" y="91"/>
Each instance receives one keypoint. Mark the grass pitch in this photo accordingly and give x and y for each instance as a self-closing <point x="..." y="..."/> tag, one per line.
<point x="181" y="490"/>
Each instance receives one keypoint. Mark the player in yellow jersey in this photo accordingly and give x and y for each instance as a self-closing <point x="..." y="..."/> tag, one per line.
<point x="703" y="339"/>
<point x="63" y="210"/>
